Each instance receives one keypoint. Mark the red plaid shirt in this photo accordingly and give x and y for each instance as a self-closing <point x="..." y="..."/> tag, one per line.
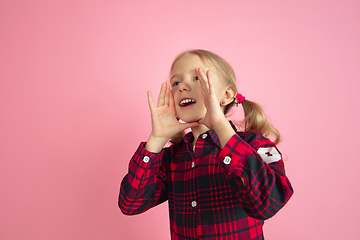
<point x="204" y="188"/>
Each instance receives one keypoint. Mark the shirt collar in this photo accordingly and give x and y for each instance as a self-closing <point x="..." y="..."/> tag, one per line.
<point x="189" y="137"/>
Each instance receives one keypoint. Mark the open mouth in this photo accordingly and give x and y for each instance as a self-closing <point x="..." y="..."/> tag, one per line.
<point x="186" y="102"/>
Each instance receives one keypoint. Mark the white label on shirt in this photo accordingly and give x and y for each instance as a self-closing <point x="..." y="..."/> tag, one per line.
<point x="269" y="155"/>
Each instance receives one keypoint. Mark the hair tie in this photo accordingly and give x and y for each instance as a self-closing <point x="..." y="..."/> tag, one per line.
<point x="238" y="99"/>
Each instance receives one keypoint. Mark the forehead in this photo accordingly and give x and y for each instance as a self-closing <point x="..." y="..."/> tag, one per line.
<point x="188" y="63"/>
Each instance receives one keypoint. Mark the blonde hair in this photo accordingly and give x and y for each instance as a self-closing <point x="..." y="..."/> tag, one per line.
<point x="255" y="118"/>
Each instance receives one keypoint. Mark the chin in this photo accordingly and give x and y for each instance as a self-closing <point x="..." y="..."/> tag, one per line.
<point x="191" y="116"/>
<point x="189" y="119"/>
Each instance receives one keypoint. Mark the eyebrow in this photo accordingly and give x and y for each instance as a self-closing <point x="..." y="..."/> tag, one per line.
<point x="176" y="75"/>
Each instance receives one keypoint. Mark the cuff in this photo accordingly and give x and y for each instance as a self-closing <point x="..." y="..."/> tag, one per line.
<point x="234" y="155"/>
<point x="145" y="158"/>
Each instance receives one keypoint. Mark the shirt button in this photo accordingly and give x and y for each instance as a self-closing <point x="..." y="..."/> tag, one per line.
<point x="204" y="136"/>
<point x="146" y="159"/>
<point x="227" y="160"/>
<point x="193" y="164"/>
<point x="193" y="203"/>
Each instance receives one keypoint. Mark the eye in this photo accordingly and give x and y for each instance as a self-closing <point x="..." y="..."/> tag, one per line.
<point x="196" y="78"/>
<point x="175" y="83"/>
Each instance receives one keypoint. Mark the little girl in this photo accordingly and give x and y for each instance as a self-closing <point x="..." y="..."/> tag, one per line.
<point x="219" y="183"/>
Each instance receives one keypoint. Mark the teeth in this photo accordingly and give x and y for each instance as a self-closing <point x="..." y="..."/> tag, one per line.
<point x="186" y="101"/>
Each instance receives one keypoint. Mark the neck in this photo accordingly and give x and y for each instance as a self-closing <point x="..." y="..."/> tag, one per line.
<point x="197" y="131"/>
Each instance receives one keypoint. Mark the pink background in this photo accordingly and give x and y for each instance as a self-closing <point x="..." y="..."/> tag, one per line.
<point x="73" y="107"/>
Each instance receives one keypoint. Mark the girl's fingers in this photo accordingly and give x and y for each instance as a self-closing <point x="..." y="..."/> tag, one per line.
<point x="161" y="98"/>
<point x="150" y="101"/>
<point x="167" y="94"/>
<point x="203" y="80"/>
<point x="171" y="99"/>
<point x="210" y="81"/>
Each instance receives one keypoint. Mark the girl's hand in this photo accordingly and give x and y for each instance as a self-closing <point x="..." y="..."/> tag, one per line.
<point x="214" y="114"/>
<point x="214" y="118"/>
<point x="163" y="120"/>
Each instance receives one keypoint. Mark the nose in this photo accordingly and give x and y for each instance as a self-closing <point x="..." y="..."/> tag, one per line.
<point x="185" y="86"/>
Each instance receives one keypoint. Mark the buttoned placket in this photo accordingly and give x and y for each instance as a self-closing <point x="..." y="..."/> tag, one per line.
<point x="195" y="181"/>
<point x="195" y="202"/>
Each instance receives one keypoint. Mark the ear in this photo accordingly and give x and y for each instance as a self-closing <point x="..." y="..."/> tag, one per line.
<point x="228" y="96"/>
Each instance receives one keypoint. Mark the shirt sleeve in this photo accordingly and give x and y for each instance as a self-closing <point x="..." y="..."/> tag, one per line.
<point x="144" y="186"/>
<point x="255" y="170"/>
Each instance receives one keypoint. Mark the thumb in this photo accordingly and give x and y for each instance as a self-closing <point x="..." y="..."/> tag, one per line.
<point x="189" y="125"/>
<point x="201" y="121"/>
<point x="204" y="122"/>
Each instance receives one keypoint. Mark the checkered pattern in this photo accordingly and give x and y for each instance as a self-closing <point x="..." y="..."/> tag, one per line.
<point x="213" y="193"/>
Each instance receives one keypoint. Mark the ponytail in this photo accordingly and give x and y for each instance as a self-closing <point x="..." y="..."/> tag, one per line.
<point x="255" y="119"/>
